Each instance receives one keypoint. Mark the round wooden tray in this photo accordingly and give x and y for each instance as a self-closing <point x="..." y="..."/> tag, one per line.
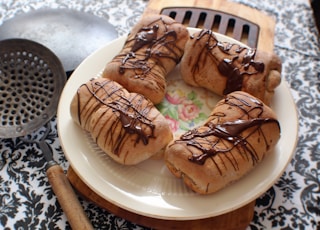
<point x="235" y="220"/>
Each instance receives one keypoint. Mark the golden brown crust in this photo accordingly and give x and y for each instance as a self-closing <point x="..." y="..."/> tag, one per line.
<point x="153" y="48"/>
<point x="240" y="131"/>
<point x="125" y="125"/>
<point x="85" y="103"/>
<point x="223" y="67"/>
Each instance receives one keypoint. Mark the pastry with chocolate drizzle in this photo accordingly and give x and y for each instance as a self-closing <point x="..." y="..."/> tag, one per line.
<point x="126" y="126"/>
<point x="222" y="67"/>
<point x="153" y="48"/>
<point x="239" y="133"/>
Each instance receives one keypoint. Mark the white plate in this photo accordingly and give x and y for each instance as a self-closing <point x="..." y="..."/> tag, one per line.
<point x="149" y="189"/>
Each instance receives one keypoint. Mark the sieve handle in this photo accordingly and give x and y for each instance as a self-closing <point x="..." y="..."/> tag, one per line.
<point x="67" y="198"/>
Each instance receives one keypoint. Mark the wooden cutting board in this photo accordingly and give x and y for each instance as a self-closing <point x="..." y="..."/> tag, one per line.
<point x="257" y="31"/>
<point x="236" y="220"/>
<point x="243" y="23"/>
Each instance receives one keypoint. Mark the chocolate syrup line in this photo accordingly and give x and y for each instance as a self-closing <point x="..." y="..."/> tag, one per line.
<point x="132" y="117"/>
<point x="228" y="131"/>
<point x="227" y="66"/>
<point x="132" y="123"/>
<point x="244" y="105"/>
<point x="151" y="51"/>
<point x="112" y="141"/>
<point x="147" y="38"/>
<point x="93" y="96"/>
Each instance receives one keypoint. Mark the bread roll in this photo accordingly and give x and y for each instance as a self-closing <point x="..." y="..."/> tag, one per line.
<point x="126" y="126"/>
<point x="222" y="67"/>
<point x="153" y="48"/>
<point x="239" y="133"/>
<point x="89" y="98"/>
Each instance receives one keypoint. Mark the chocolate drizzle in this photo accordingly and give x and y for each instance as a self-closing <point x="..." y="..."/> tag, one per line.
<point x="131" y="111"/>
<point x="154" y="41"/>
<point x="146" y="36"/>
<point x="222" y="137"/>
<point x="236" y="63"/>
<point x="228" y="131"/>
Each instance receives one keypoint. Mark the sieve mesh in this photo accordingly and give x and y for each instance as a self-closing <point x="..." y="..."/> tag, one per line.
<point x="31" y="80"/>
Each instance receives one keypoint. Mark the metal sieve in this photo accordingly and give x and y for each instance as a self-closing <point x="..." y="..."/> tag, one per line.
<point x="31" y="81"/>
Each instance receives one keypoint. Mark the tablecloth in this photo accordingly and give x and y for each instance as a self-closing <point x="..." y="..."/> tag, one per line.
<point x="293" y="202"/>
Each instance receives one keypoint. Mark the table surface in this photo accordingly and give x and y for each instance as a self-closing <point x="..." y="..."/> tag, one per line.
<point x="293" y="202"/>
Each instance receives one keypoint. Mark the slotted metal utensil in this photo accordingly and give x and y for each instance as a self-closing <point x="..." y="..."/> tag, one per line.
<point x="31" y="80"/>
<point x="243" y="23"/>
<point x="218" y="21"/>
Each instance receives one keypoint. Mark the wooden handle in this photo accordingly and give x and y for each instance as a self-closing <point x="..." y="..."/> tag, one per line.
<point x="67" y="198"/>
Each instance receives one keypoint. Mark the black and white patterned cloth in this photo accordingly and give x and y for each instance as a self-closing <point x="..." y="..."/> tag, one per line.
<point x="293" y="202"/>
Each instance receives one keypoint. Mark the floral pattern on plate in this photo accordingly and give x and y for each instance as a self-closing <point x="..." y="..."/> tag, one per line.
<point x="184" y="106"/>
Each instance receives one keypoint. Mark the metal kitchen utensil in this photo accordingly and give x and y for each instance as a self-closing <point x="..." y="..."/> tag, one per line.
<point x="218" y="21"/>
<point x="255" y="28"/>
<point x="71" y="35"/>
<point x="31" y="81"/>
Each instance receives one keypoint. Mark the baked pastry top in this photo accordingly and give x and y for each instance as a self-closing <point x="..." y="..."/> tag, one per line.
<point x="239" y="133"/>
<point x="125" y="125"/>
<point x="153" y="48"/>
<point x="223" y="67"/>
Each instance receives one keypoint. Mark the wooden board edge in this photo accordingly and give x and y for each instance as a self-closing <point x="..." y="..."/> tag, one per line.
<point x="265" y="22"/>
<point x="237" y="219"/>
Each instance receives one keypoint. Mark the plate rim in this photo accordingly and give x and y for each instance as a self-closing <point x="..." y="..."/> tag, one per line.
<point x="131" y="206"/>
